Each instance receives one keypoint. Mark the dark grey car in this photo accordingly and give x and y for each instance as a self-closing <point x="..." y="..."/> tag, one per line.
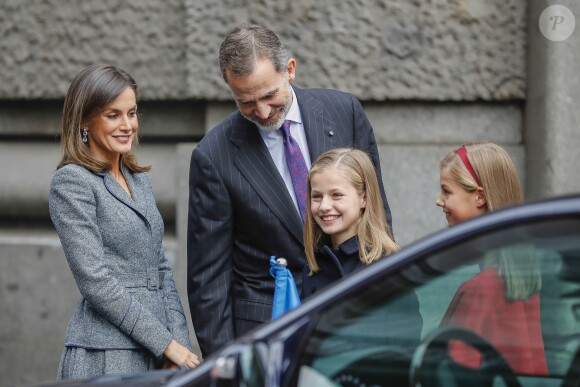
<point x="338" y="337"/>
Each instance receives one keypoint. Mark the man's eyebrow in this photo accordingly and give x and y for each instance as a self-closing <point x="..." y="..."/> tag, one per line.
<point x="267" y="95"/>
<point x="271" y="93"/>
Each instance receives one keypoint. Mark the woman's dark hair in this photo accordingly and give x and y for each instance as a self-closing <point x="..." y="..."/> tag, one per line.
<point x="90" y="92"/>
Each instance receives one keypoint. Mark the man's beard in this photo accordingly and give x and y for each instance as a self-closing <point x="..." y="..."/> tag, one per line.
<point x="271" y="126"/>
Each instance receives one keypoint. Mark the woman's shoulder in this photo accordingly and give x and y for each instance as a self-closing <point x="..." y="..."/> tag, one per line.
<point x="70" y="172"/>
<point x="73" y="177"/>
<point x="73" y="169"/>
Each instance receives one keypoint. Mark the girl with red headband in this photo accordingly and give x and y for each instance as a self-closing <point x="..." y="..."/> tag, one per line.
<point x="476" y="179"/>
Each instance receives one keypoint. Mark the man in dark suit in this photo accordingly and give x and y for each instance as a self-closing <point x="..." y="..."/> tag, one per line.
<point x="242" y="204"/>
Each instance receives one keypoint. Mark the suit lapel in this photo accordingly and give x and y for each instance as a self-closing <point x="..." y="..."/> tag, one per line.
<point x="255" y="163"/>
<point x="138" y="198"/>
<point x="318" y="124"/>
<point x="137" y="202"/>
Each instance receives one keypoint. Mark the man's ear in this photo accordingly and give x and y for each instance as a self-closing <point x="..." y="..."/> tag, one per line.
<point x="480" y="201"/>
<point x="291" y="69"/>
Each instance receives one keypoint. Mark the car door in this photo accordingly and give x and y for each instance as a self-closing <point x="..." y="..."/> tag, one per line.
<point x="371" y="338"/>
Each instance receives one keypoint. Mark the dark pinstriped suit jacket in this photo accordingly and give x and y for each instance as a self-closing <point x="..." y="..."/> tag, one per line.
<point x="240" y="213"/>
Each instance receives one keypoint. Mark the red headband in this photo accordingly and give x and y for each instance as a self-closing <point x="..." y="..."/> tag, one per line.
<point x="462" y="152"/>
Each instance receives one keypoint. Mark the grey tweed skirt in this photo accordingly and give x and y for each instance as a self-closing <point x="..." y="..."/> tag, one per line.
<point x="81" y="363"/>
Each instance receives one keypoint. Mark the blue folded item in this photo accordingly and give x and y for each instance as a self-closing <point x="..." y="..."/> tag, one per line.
<point x="286" y="296"/>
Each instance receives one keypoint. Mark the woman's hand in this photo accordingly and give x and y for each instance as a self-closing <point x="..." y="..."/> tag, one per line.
<point x="180" y="355"/>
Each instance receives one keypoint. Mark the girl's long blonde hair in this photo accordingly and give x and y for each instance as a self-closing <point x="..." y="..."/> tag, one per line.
<point x="499" y="180"/>
<point x="374" y="236"/>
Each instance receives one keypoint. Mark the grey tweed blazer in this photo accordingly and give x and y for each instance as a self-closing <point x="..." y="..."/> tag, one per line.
<point x="113" y="246"/>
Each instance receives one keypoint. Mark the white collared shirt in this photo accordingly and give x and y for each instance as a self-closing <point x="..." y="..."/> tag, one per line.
<point x="275" y="143"/>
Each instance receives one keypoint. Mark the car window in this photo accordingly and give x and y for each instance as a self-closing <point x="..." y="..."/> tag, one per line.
<point x="518" y="288"/>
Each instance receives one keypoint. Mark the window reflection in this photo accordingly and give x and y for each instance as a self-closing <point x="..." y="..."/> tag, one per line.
<point x="531" y="318"/>
<point x="501" y="303"/>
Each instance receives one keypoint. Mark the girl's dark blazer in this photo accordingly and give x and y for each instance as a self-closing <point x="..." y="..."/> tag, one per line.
<point x="400" y="317"/>
<point x="112" y="242"/>
<point x="332" y="268"/>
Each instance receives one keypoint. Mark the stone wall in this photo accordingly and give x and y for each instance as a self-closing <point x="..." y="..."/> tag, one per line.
<point x="440" y="50"/>
<point x="430" y="73"/>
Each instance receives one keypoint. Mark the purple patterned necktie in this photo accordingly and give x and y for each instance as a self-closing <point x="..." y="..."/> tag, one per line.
<point x="296" y="166"/>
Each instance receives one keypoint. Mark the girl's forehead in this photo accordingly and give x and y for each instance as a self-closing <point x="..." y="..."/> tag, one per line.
<point x="330" y="178"/>
<point x="445" y="171"/>
<point x="330" y="171"/>
<point x="446" y="177"/>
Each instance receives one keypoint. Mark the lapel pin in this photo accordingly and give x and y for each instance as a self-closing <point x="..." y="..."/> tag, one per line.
<point x="330" y="132"/>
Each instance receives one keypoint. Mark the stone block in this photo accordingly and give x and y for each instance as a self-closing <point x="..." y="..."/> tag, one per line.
<point x="216" y="112"/>
<point x="397" y="50"/>
<point x="37" y="297"/>
<point x="171" y="120"/>
<point x="444" y="123"/>
<point x="25" y="185"/>
<point x="45" y="44"/>
<point x="31" y="119"/>
<point x="419" y="50"/>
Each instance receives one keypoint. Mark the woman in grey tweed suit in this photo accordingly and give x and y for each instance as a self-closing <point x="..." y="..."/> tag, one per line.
<point x="129" y="317"/>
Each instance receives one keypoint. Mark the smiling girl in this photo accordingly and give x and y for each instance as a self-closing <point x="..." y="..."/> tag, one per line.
<point x="345" y="228"/>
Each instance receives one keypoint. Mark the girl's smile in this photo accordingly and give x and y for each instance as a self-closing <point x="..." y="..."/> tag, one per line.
<point x="335" y="204"/>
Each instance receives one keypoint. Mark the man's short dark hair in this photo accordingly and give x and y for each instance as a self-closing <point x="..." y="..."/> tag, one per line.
<point x="247" y="44"/>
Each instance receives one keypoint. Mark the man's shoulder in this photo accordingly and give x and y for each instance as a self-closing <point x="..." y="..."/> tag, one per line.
<point x="326" y="96"/>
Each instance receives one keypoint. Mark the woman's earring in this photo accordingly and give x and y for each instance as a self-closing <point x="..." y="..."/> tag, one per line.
<point x="84" y="135"/>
